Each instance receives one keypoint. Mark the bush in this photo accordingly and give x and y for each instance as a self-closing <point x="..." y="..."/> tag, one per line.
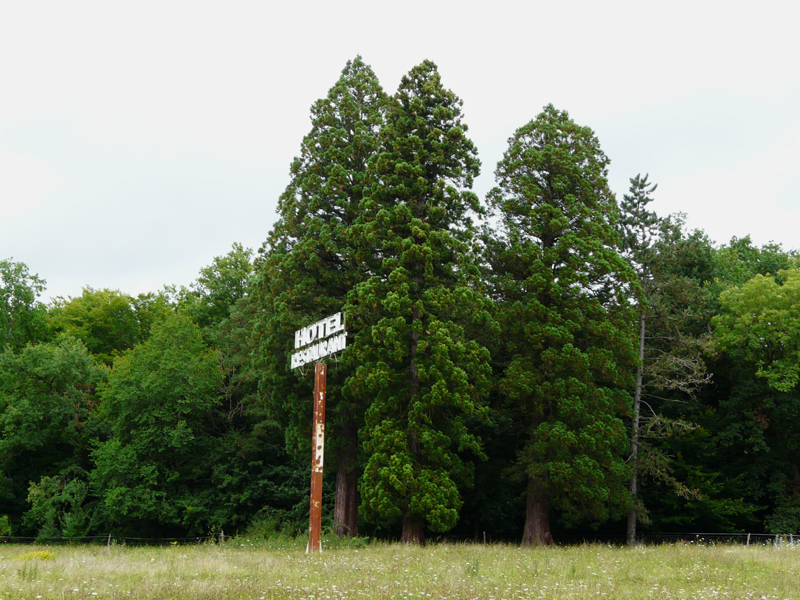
<point x="786" y="518"/>
<point x="5" y="526"/>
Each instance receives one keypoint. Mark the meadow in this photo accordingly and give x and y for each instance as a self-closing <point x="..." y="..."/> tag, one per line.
<point x="240" y="569"/>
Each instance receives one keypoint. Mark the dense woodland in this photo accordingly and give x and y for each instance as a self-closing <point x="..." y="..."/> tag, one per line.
<point x="546" y="361"/>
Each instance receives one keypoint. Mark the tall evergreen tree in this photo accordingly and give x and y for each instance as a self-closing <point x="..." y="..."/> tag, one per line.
<point x="640" y="228"/>
<point x="564" y="296"/>
<point x="415" y="317"/>
<point x="309" y="264"/>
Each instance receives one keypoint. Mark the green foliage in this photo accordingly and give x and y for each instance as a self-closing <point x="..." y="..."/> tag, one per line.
<point x="249" y="469"/>
<point x="759" y="329"/>
<point x="377" y="220"/>
<point x="47" y="414"/>
<point x="59" y="507"/>
<point x="416" y="316"/>
<point x="786" y="518"/>
<point x="5" y="526"/>
<point x="219" y="287"/>
<point x="639" y="227"/>
<point x="46" y="394"/>
<point x="309" y="262"/>
<point x="22" y="318"/>
<point x="157" y="400"/>
<point x="760" y="324"/>
<point x="108" y="321"/>
<point x="738" y="261"/>
<point x="689" y="256"/>
<point x="702" y="495"/>
<point x="564" y="295"/>
<point x="308" y="265"/>
<point x="671" y="365"/>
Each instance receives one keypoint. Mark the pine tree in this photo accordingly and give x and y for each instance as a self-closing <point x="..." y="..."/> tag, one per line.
<point x="639" y="228"/>
<point x="563" y="294"/>
<point x="670" y="357"/>
<point x="309" y="264"/>
<point x="416" y="316"/>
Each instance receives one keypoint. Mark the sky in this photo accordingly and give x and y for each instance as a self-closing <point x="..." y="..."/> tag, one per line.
<point x="139" y="140"/>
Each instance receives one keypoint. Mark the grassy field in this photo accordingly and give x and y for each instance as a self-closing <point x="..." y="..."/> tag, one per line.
<point x="240" y="569"/>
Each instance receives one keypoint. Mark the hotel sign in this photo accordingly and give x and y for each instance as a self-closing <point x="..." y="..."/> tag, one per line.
<point x="319" y="340"/>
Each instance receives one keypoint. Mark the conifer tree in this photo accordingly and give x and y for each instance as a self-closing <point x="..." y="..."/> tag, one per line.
<point x="415" y="316"/>
<point x="309" y="265"/>
<point x="639" y="229"/>
<point x="563" y="293"/>
<point x="670" y="357"/>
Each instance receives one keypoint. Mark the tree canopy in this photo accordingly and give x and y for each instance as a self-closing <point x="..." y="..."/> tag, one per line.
<point x="22" y="316"/>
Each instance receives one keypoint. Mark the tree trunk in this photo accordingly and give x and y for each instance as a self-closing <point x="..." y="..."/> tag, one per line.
<point x="412" y="531"/>
<point x="537" y="521"/>
<point x="345" y="512"/>
<point x="637" y="398"/>
<point x="412" y="525"/>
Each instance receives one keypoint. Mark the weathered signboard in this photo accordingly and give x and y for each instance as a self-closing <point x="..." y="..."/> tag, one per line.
<point x="313" y="343"/>
<point x="319" y="340"/>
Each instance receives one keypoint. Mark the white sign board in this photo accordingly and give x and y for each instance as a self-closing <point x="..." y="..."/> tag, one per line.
<point x="319" y="340"/>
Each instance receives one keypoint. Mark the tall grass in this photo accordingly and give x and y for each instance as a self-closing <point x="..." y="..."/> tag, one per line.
<point x="280" y="568"/>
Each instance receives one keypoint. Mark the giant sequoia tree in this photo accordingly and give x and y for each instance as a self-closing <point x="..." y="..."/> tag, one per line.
<point x="416" y="315"/>
<point x="310" y="264"/>
<point x="563" y="292"/>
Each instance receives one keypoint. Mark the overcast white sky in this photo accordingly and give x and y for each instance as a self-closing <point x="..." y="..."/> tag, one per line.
<point x="139" y="140"/>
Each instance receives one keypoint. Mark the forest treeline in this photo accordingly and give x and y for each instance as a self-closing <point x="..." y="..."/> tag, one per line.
<point x="541" y="361"/>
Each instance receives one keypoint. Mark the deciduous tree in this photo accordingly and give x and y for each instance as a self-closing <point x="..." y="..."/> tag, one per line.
<point x="218" y="288"/>
<point x="155" y="469"/>
<point x="759" y="327"/>
<point x="47" y="415"/>
<point x="23" y="319"/>
<point x="108" y="321"/>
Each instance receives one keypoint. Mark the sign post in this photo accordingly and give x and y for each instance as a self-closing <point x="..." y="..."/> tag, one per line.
<point x="317" y="460"/>
<point x="314" y="343"/>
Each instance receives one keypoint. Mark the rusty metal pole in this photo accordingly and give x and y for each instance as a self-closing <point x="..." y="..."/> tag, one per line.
<point x="317" y="453"/>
